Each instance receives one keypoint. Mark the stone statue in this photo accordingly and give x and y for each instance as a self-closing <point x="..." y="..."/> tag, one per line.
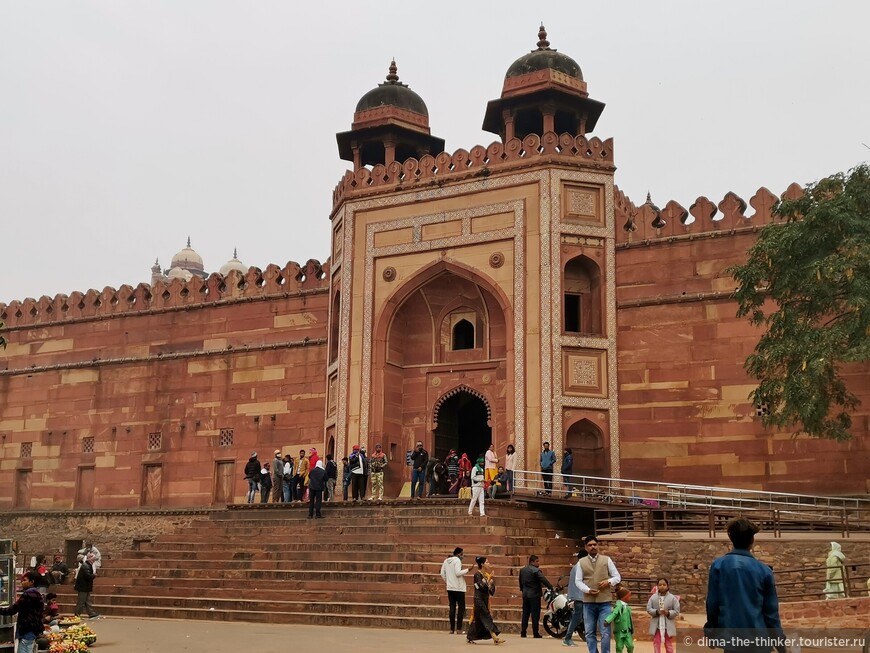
<point x="835" y="587"/>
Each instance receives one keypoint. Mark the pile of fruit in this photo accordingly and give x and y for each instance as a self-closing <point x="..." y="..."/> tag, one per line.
<point x="76" y="639"/>
<point x="68" y="647"/>
<point x="71" y="620"/>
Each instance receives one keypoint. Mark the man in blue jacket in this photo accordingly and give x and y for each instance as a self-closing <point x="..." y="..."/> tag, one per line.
<point x="741" y="597"/>
<point x="548" y="461"/>
<point x="575" y="595"/>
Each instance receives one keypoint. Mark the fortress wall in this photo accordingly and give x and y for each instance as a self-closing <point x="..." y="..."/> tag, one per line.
<point x="685" y="416"/>
<point x="249" y="359"/>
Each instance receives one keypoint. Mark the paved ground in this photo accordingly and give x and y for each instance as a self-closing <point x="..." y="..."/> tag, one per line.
<point x="121" y="635"/>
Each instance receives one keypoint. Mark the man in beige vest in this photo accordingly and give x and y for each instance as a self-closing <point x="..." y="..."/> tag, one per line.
<point x="596" y="578"/>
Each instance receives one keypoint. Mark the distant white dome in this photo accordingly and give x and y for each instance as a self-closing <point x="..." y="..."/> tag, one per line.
<point x="188" y="259"/>
<point x="233" y="264"/>
<point x="180" y="273"/>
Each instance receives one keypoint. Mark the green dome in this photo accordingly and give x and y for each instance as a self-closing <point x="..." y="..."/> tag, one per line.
<point x="544" y="58"/>
<point x="392" y="93"/>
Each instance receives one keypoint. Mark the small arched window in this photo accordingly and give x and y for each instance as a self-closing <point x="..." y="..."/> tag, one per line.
<point x="463" y="335"/>
<point x="582" y="297"/>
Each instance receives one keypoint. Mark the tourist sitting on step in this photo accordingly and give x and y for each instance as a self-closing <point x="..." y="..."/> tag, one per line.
<point x="497" y="484"/>
<point x="52" y="610"/>
<point x="59" y="570"/>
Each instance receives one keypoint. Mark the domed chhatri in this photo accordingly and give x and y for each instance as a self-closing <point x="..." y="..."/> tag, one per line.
<point x="392" y="93"/>
<point x="544" y="58"/>
<point x="543" y="91"/>
<point x="233" y="264"/>
<point x="391" y="123"/>
<point x="188" y="259"/>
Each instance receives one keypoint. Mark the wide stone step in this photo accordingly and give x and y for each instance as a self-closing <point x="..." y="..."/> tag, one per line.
<point x="298" y="514"/>
<point x="367" y="608"/>
<point x="426" y="595"/>
<point x="505" y="555"/>
<point x="494" y="544"/>
<point x="441" y="506"/>
<point x="318" y="528"/>
<point x="409" y="622"/>
<point x="321" y="560"/>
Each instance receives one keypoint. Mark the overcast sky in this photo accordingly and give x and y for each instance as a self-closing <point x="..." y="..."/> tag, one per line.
<point x="127" y="126"/>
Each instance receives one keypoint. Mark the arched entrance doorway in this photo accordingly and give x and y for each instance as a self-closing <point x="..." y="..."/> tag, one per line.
<point x="587" y="447"/>
<point x="462" y="423"/>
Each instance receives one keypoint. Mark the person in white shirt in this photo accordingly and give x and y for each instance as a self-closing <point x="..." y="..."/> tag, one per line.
<point x="509" y="467"/>
<point x="477" y="484"/>
<point x="454" y="575"/>
<point x="92" y="550"/>
<point x="490" y="463"/>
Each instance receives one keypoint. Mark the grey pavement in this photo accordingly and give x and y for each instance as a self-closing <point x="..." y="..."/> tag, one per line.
<point x="128" y="635"/>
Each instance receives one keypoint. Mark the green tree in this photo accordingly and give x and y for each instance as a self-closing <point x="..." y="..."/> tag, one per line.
<point x="807" y="283"/>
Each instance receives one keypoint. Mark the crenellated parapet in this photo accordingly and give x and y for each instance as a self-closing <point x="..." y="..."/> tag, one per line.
<point x="479" y="160"/>
<point x="646" y="223"/>
<point x="174" y="294"/>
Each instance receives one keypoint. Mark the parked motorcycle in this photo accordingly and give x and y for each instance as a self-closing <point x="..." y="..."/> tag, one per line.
<point x="559" y="611"/>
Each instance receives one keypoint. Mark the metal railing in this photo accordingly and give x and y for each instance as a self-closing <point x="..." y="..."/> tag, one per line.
<point x="808" y="583"/>
<point x="651" y="506"/>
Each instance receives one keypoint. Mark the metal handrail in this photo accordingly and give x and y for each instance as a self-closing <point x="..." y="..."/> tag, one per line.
<point x="777" y="509"/>
<point x="687" y="495"/>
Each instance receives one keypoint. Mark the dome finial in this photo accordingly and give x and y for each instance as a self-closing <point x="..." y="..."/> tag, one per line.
<point x="543" y="43"/>
<point x="235" y="252"/>
<point x="188" y="241"/>
<point x="648" y="198"/>
<point x="393" y="77"/>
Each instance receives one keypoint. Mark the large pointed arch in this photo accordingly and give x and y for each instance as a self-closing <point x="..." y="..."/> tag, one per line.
<point x="410" y="357"/>
<point x="426" y="274"/>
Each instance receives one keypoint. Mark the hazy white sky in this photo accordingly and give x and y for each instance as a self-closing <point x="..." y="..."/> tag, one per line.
<point x="127" y="126"/>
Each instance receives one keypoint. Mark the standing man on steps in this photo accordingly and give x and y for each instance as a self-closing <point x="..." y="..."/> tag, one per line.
<point x="576" y="597"/>
<point x="419" y="462"/>
<point x="548" y="461"/>
<point x="532" y="579"/>
<point x="277" y="477"/>
<point x="453" y="574"/>
<point x="596" y="577"/>
<point x="377" y="464"/>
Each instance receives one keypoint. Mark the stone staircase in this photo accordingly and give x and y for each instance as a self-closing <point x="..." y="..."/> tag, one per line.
<point x="373" y="564"/>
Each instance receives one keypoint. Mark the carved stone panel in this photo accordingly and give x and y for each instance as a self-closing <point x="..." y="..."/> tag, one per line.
<point x="584" y="372"/>
<point x="582" y="203"/>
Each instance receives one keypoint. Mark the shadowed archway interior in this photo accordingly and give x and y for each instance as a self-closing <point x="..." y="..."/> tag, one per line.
<point x="462" y="425"/>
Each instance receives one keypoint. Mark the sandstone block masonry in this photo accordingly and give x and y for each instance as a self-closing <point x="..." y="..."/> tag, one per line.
<point x="156" y="396"/>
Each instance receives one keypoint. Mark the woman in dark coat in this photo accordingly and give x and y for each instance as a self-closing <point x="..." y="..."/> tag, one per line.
<point x="481" y="625"/>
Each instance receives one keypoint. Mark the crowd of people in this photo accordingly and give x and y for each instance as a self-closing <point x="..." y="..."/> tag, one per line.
<point x="286" y="479"/>
<point x="37" y="607"/>
<point x="741" y="598"/>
